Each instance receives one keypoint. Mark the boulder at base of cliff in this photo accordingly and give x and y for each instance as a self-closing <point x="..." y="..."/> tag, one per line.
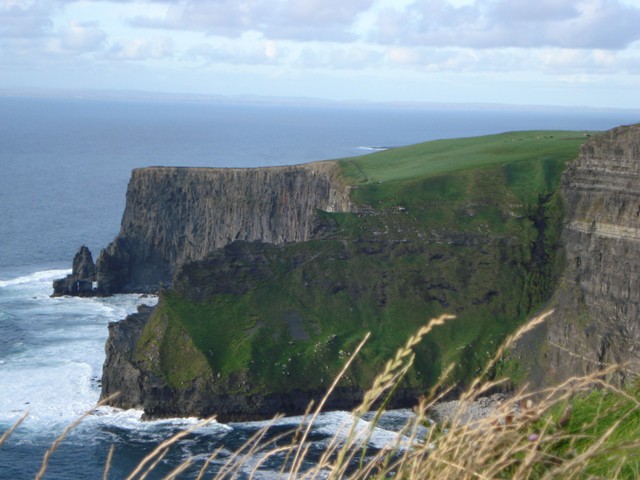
<point x="80" y="282"/>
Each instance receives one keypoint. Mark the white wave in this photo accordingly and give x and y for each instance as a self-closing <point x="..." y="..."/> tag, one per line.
<point x="338" y="426"/>
<point x="52" y="365"/>
<point x="36" y="277"/>
<point x="132" y="420"/>
<point x="373" y="149"/>
<point x="341" y="427"/>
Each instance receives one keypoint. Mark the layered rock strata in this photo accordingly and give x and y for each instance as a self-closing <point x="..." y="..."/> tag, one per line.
<point x="596" y="322"/>
<point x="175" y="215"/>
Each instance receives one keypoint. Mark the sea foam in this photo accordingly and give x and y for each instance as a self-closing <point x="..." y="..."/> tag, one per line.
<point x="52" y="350"/>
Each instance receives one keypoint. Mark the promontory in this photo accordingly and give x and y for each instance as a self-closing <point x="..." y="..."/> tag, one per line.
<point x="269" y="278"/>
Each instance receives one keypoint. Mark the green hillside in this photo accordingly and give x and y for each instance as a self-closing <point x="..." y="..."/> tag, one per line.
<point x="466" y="226"/>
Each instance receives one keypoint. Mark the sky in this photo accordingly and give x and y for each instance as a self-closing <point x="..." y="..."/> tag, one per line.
<point x="521" y="52"/>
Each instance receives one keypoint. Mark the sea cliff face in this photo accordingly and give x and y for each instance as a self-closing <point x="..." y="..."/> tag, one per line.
<point x="596" y="322"/>
<point x="177" y="215"/>
<point x="597" y="319"/>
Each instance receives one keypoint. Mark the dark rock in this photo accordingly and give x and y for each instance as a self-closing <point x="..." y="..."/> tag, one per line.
<point x="83" y="266"/>
<point x="120" y="374"/>
<point x="81" y="280"/>
<point x="178" y="215"/>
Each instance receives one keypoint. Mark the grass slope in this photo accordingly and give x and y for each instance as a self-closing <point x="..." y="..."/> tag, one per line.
<point x="445" y="156"/>
<point x="467" y="226"/>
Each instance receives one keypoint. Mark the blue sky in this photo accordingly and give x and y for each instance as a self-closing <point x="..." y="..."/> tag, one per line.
<point x="538" y="52"/>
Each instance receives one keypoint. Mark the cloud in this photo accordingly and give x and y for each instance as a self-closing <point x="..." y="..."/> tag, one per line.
<point x="340" y="12"/>
<point x="82" y="37"/>
<point x="534" y="11"/>
<point x="223" y="17"/>
<point x="355" y="57"/>
<point x="282" y="19"/>
<point x="26" y="19"/>
<point x="249" y="52"/>
<point x="604" y="24"/>
<point x="29" y="35"/>
<point x="141" y="49"/>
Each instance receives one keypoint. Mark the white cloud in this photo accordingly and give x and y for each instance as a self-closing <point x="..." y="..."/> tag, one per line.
<point x="141" y="49"/>
<point x="337" y="56"/>
<point x="251" y="49"/>
<point x="528" y="11"/>
<point x="404" y="56"/>
<point x="81" y="37"/>
<point x="22" y="19"/>
<point x="604" y="24"/>
<point x="271" y="49"/>
<point x="284" y="19"/>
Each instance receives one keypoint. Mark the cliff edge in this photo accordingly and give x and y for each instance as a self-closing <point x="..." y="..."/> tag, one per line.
<point x="175" y="215"/>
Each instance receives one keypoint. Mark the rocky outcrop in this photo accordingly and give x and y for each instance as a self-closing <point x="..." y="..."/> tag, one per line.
<point x="134" y="375"/>
<point x="122" y="377"/>
<point x="176" y="215"/>
<point x="596" y="322"/>
<point x="81" y="280"/>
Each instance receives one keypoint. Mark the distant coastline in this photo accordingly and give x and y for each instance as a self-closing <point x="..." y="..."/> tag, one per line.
<point x="176" y="97"/>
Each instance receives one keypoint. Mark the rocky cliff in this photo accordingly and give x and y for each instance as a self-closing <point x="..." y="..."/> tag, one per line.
<point x="176" y="215"/>
<point x="597" y="304"/>
<point x="254" y="328"/>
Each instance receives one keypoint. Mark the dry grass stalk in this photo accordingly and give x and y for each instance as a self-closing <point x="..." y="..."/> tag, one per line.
<point x="500" y="444"/>
<point x="162" y="449"/>
<point x="107" y="464"/>
<point x="56" y="443"/>
<point x="8" y="433"/>
<point x="517" y="439"/>
<point x="297" y="461"/>
<point x="477" y="386"/>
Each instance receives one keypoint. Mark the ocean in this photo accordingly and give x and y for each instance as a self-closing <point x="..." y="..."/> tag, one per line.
<point x="64" y="167"/>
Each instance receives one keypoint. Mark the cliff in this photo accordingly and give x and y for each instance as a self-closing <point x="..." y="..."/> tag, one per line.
<point x="177" y="215"/>
<point x="253" y="328"/>
<point x="597" y="305"/>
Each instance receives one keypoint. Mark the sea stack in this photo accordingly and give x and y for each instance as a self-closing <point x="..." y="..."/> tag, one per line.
<point x="80" y="282"/>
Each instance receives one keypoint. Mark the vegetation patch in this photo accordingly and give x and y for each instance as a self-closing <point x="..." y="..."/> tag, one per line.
<point x="467" y="226"/>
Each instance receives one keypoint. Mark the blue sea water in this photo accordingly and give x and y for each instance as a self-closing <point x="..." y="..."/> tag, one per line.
<point x="64" y="167"/>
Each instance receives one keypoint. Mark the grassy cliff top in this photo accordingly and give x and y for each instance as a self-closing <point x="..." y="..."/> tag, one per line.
<point x="445" y="156"/>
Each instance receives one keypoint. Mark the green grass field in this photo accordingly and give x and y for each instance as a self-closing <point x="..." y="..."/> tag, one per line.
<point x="445" y="156"/>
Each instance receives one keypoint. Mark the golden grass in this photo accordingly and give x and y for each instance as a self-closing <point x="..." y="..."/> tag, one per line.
<point x="525" y="437"/>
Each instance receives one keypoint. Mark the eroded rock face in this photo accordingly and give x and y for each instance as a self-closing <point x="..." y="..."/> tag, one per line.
<point x="597" y="318"/>
<point x="80" y="281"/>
<point x="176" y="215"/>
<point x="120" y="375"/>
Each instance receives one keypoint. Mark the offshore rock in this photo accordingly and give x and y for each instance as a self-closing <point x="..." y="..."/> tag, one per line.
<point x="596" y="322"/>
<point x="80" y="281"/>
<point x="176" y="215"/>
